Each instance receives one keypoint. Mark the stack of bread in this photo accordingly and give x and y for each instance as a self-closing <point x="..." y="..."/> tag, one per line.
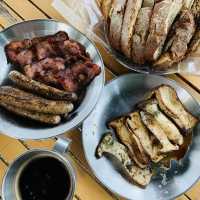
<point x="157" y="32"/>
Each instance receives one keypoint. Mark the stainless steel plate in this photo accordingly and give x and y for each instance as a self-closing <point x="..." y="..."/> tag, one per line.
<point x="25" y="129"/>
<point x="118" y="98"/>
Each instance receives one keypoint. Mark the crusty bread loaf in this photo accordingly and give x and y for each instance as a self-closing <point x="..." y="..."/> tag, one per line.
<point x="184" y="29"/>
<point x="130" y="15"/>
<point x="116" y="19"/>
<point x="163" y="16"/>
<point x="105" y="8"/>
<point x="140" y="34"/>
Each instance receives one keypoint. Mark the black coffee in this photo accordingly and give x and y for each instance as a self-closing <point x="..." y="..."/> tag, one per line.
<point x="44" y="178"/>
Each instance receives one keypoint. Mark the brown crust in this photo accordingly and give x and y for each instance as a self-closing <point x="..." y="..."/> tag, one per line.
<point x="41" y="117"/>
<point x="130" y="16"/>
<point x="28" y="101"/>
<point x="125" y="137"/>
<point x="115" y="22"/>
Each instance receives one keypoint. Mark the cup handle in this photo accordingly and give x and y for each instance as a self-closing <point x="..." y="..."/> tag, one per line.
<point x="62" y="144"/>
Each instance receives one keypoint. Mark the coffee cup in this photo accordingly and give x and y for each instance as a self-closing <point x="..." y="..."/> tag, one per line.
<point x="41" y="174"/>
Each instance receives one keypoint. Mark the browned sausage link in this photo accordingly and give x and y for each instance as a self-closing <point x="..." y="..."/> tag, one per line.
<point x="41" y="117"/>
<point x="39" y="88"/>
<point x="28" y="101"/>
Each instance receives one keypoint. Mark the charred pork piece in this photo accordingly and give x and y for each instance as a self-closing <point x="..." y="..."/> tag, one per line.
<point x="171" y="105"/>
<point x="28" y="101"/>
<point x="45" y="70"/>
<point x="44" y="49"/>
<point x="40" y="88"/>
<point x="15" y="47"/>
<point x="130" y="141"/>
<point x="172" y="132"/>
<point x="135" y="174"/>
<point x="41" y="117"/>
<point x="152" y="124"/>
<point x="78" y="76"/>
<point x="72" y="51"/>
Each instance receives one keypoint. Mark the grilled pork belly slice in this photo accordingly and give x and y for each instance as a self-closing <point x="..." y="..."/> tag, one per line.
<point x="120" y="152"/>
<point x="164" y="14"/>
<point x="138" y="129"/>
<point x="171" y="105"/>
<point x="155" y="128"/>
<point x="130" y="141"/>
<point x="172" y="132"/>
<point x="140" y="35"/>
<point x="182" y="32"/>
<point x="130" y="16"/>
<point x="115" y="22"/>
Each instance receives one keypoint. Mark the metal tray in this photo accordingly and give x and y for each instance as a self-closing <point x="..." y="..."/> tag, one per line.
<point x="16" y="127"/>
<point x="119" y="98"/>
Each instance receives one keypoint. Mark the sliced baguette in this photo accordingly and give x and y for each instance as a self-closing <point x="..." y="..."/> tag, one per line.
<point x="196" y="9"/>
<point x="105" y="8"/>
<point x="184" y="29"/>
<point x="116" y="19"/>
<point x="130" y="15"/>
<point x="140" y="34"/>
<point x="164" y="14"/>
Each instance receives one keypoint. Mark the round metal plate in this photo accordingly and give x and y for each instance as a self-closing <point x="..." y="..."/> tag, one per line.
<point x="119" y="98"/>
<point x="26" y="129"/>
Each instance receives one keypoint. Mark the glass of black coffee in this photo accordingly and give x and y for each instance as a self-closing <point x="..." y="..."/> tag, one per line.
<point x="44" y="178"/>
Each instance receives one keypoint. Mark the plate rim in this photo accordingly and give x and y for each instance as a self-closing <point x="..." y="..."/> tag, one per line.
<point x="83" y="141"/>
<point x="58" y="132"/>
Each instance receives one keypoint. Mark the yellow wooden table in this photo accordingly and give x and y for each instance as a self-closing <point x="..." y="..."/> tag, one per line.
<point x="88" y="187"/>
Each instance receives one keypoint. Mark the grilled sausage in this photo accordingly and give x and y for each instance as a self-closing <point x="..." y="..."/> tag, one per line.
<point x="39" y="88"/>
<point x="28" y="101"/>
<point x="41" y="117"/>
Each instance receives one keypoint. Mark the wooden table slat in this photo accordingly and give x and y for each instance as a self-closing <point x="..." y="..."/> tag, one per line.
<point x="25" y="9"/>
<point x="49" y="10"/>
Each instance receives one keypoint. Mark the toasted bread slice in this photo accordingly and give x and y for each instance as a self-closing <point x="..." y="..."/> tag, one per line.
<point x="140" y="35"/>
<point x="115" y="18"/>
<point x="105" y="8"/>
<point x="171" y="105"/>
<point x="164" y="14"/>
<point x="152" y="124"/>
<point x="140" y="131"/>
<point x="135" y="174"/>
<point x="172" y="132"/>
<point x="130" y="15"/>
<point x="183" y="31"/>
<point x="132" y="143"/>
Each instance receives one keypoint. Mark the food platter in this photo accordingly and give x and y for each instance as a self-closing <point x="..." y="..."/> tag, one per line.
<point x="121" y="95"/>
<point x="24" y="129"/>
